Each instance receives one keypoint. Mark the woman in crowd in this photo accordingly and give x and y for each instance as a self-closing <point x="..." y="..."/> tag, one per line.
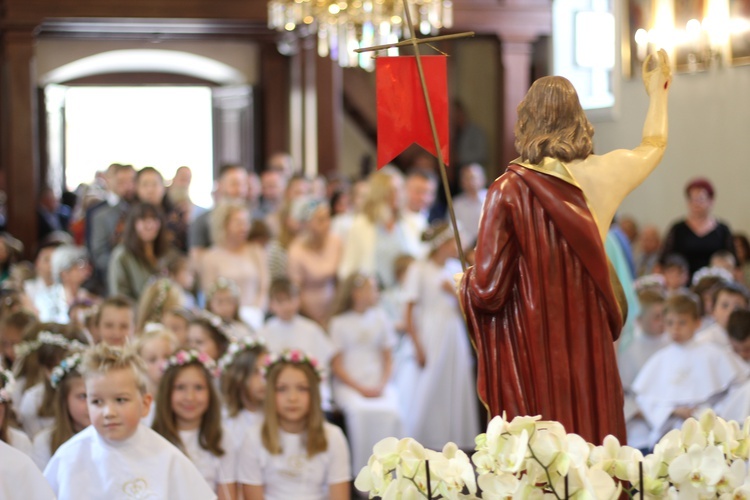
<point x="143" y="253"/>
<point x="314" y="256"/>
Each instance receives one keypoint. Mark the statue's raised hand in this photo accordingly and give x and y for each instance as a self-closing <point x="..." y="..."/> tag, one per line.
<point x="657" y="74"/>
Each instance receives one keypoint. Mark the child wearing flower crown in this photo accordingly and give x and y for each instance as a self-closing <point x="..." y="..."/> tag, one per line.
<point x="48" y="344"/>
<point x="155" y="345"/>
<point x="117" y="456"/>
<point x="223" y="300"/>
<point x="188" y="415"/>
<point x="206" y="334"/>
<point x="157" y="298"/>
<point x="243" y="386"/>
<point x="15" y="438"/>
<point x="295" y="453"/>
<point x="70" y="409"/>
<point x="364" y="338"/>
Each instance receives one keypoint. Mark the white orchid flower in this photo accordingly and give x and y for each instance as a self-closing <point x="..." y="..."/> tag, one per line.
<point x="670" y="446"/>
<point x="402" y="489"/>
<point x="733" y="478"/>
<point x="454" y="471"/>
<point x="613" y="458"/>
<point x="655" y="483"/>
<point x="699" y="469"/>
<point x="559" y="451"/>
<point x="412" y="456"/>
<point x="498" y="486"/>
<point x="373" y="478"/>
<point x="692" y="433"/>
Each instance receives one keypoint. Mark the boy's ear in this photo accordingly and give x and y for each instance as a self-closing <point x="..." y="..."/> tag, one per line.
<point x="147" y="399"/>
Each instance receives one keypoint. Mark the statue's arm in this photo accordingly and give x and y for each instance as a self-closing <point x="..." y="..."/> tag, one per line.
<point x="631" y="166"/>
<point x="491" y="279"/>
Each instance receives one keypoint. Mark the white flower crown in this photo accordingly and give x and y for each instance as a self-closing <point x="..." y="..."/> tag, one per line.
<point x="67" y="365"/>
<point x="183" y="357"/>
<point x="238" y="346"/>
<point x="294" y="356"/>
<point x="23" y="349"/>
<point x="9" y="384"/>
<point x="216" y="322"/>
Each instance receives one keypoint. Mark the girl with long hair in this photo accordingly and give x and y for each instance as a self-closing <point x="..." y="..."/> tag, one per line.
<point x="188" y="415"/>
<point x="295" y="453"/>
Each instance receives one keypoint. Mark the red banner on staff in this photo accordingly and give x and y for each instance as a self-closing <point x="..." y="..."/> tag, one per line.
<point x="402" y="112"/>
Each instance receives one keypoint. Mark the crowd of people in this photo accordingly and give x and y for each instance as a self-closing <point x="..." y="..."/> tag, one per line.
<point x="151" y="340"/>
<point x="260" y="348"/>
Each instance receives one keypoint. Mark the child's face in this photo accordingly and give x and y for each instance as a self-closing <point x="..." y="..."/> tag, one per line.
<point x="185" y="277"/>
<point x="190" y="397"/>
<point x="116" y="325"/>
<point x="223" y="304"/>
<point x="292" y="397"/>
<point x="680" y="327"/>
<point x="77" y="405"/>
<point x="155" y="353"/>
<point x="366" y="295"/>
<point x="675" y="277"/>
<point x="284" y="307"/>
<point x="255" y="387"/>
<point x="726" y="303"/>
<point x="741" y="347"/>
<point x="652" y="320"/>
<point x="177" y="325"/>
<point x="200" y="340"/>
<point x="116" y="406"/>
<point x="43" y="264"/>
<point x="9" y="337"/>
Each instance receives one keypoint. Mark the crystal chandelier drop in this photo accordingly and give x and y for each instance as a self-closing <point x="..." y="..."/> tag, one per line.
<point x="344" y="25"/>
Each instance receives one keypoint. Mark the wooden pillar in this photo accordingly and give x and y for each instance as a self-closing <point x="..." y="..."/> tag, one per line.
<point x="20" y="152"/>
<point x="516" y="60"/>
<point x="275" y="77"/>
<point x="329" y="83"/>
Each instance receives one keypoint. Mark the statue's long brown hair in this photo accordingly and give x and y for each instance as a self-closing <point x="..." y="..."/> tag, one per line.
<point x="551" y="122"/>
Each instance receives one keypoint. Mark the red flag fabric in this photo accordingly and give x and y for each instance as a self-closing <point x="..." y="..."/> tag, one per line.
<point x="402" y="112"/>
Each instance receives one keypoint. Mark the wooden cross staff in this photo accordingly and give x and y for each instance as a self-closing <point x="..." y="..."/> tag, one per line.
<point x="414" y="42"/>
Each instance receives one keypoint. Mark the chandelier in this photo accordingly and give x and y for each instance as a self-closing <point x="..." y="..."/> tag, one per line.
<point x="344" y="25"/>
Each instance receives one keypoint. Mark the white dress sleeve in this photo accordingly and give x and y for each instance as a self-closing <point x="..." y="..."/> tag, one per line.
<point x="250" y="463"/>
<point x="338" y="449"/>
<point x="228" y="461"/>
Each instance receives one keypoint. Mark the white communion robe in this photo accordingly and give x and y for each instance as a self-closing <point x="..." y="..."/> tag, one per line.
<point x="215" y="470"/>
<point x="694" y="374"/>
<point x="31" y="422"/>
<point x="292" y="474"/>
<point x="144" y="466"/>
<point x="236" y="427"/>
<point x="629" y="362"/>
<point x="20" y="441"/>
<point x="444" y="407"/>
<point x="736" y="405"/>
<point x="20" y="479"/>
<point x="305" y="335"/>
<point x="41" y="452"/>
<point x="361" y="339"/>
<point x="716" y="334"/>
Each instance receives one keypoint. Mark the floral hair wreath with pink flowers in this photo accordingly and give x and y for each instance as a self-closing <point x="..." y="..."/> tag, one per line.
<point x="9" y="383"/>
<point x="183" y="357"/>
<point x="293" y="356"/>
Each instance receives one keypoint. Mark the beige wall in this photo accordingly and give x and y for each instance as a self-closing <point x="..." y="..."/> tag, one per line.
<point x="244" y="57"/>
<point x="709" y="120"/>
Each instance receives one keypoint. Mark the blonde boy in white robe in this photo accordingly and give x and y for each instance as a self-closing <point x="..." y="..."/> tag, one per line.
<point x="648" y="338"/>
<point x="117" y="457"/>
<point x="685" y="376"/>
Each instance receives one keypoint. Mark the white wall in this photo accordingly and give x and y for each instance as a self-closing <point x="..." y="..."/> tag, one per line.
<point x="243" y="56"/>
<point x="709" y="121"/>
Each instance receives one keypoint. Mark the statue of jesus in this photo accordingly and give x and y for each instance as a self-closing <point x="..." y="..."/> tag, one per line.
<point x="542" y="304"/>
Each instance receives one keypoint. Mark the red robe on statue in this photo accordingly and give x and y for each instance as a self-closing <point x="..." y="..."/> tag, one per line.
<point x="541" y="308"/>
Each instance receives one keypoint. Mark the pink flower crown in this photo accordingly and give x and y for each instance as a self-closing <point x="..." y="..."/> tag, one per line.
<point x="238" y="346"/>
<point x="293" y="356"/>
<point x="9" y="384"/>
<point x="183" y="357"/>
